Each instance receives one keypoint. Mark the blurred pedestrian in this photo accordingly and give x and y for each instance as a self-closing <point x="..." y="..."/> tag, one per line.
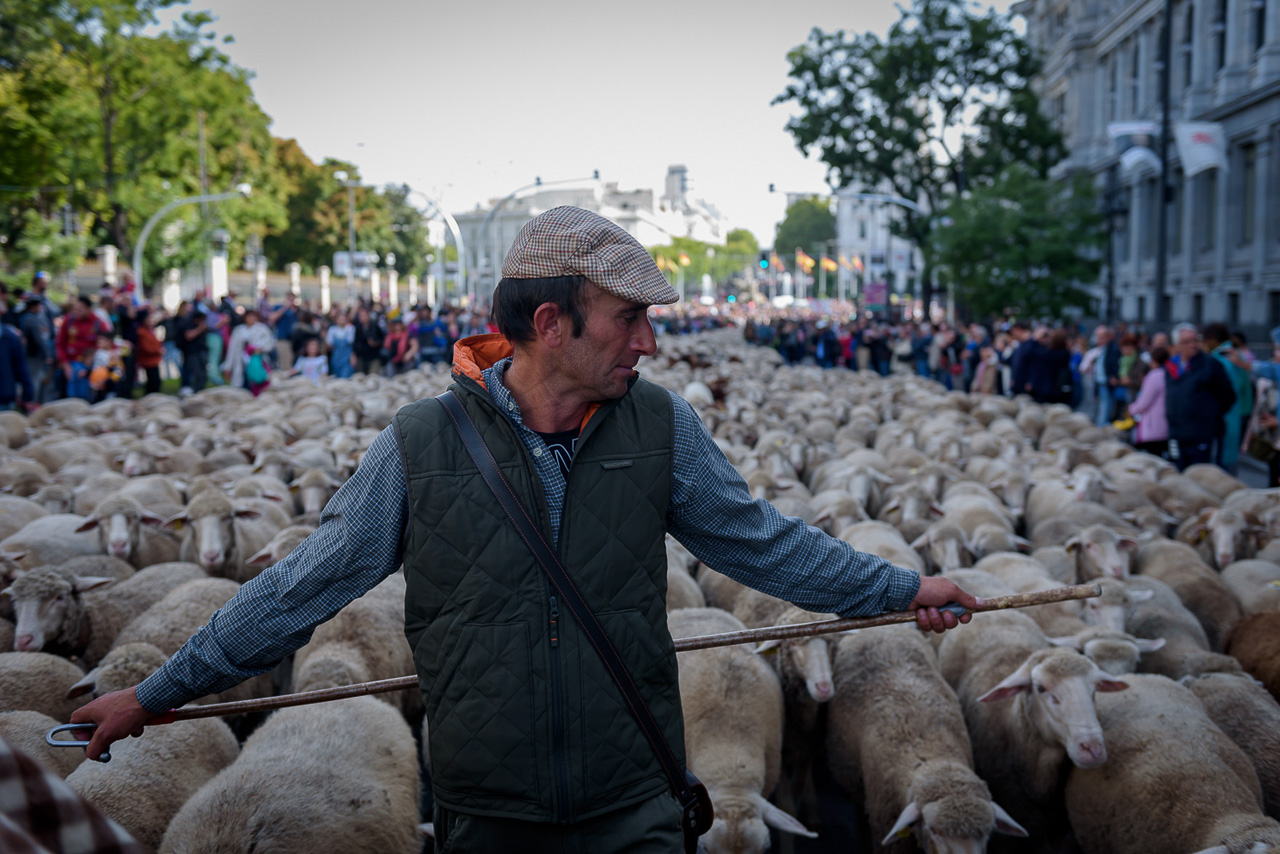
<point x="1198" y="395"/>
<point x="368" y="342"/>
<point x="14" y="376"/>
<point x="150" y="352"/>
<point x="1151" y="433"/>
<point x="341" y="339"/>
<point x="37" y="330"/>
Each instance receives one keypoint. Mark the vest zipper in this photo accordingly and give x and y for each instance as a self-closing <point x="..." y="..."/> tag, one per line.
<point x="558" y="748"/>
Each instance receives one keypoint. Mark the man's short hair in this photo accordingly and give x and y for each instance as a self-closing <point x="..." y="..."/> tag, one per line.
<point x="1181" y="328"/>
<point x="1023" y="325"/>
<point x="1217" y="331"/>
<point x="85" y="301"/>
<point x="516" y="300"/>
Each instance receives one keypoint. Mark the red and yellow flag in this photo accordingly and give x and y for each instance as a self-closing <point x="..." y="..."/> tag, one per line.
<point x="829" y="265"/>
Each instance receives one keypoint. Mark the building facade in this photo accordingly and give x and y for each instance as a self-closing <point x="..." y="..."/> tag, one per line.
<point x="489" y="231"/>
<point x="863" y="232"/>
<point x="1103" y="65"/>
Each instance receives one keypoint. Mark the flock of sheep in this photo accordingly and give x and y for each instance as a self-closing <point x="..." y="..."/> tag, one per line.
<point x="1144" y="720"/>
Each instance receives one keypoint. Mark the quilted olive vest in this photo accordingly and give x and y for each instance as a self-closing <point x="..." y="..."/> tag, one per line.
<point x="524" y="720"/>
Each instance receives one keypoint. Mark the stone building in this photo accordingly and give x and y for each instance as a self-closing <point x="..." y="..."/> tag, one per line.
<point x="1103" y="64"/>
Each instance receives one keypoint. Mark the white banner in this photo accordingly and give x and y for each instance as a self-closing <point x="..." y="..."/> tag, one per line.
<point x="1201" y="146"/>
<point x="1135" y="143"/>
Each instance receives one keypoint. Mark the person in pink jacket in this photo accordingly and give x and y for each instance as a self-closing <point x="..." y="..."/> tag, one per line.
<point x="1152" y="432"/>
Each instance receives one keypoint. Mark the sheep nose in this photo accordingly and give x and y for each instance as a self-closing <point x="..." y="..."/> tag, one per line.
<point x="25" y="643"/>
<point x="1090" y="753"/>
<point x="209" y="559"/>
<point x="821" y="691"/>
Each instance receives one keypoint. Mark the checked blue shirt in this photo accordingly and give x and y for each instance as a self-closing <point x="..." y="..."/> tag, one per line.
<point x="357" y="545"/>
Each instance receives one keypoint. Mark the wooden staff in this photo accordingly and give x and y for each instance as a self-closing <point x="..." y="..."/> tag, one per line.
<point x="799" y="630"/>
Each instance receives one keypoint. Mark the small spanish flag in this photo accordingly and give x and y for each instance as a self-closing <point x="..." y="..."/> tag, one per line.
<point x="829" y="265"/>
<point x="685" y="261"/>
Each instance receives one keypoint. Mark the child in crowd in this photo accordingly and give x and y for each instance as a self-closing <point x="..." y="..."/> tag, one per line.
<point x="106" y="369"/>
<point x="78" y="376"/>
<point x="314" y="365"/>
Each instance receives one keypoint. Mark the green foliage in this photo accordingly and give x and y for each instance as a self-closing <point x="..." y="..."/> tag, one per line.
<point x="944" y="102"/>
<point x="1023" y="244"/>
<point x="722" y="263"/>
<point x="808" y="225"/>
<point x="42" y="246"/>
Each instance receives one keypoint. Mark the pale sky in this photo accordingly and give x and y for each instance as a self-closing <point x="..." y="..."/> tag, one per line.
<point x="470" y="100"/>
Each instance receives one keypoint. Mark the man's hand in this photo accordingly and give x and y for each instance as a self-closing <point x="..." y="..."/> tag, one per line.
<point x="117" y="714"/>
<point x="934" y="592"/>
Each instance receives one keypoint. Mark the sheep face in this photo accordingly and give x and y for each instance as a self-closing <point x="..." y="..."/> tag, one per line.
<point x="214" y="538"/>
<point x="47" y="609"/>
<point x="1058" y="688"/>
<point x="810" y="659"/>
<point x="959" y="823"/>
<point x="1101" y="553"/>
<point x="138" y="462"/>
<point x="1105" y="615"/>
<point x="742" y="825"/>
<point x="1230" y="533"/>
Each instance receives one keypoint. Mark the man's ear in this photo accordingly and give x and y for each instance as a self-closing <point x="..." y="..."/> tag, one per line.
<point x="552" y="326"/>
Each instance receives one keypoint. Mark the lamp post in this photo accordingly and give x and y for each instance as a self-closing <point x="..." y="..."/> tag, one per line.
<point x="457" y="240"/>
<point x="488" y="220"/>
<point x="1116" y="210"/>
<point x="242" y="191"/>
<point x="341" y="177"/>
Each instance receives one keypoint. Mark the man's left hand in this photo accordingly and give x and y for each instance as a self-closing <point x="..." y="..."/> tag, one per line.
<point x="934" y="592"/>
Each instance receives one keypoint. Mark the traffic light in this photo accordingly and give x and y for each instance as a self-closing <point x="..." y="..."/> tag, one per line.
<point x="764" y="260"/>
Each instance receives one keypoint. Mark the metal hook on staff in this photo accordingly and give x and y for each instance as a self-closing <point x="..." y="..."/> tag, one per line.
<point x="799" y="630"/>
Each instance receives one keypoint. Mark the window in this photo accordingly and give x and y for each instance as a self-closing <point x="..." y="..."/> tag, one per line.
<point x="1273" y="308"/>
<point x="1220" y="35"/>
<point x="1142" y="309"/>
<point x="1197" y="309"/>
<point x="1060" y="111"/>
<point x="1188" y="42"/>
<point x="1150" y="217"/>
<point x="1113" y="95"/>
<point x="1122" y="234"/>
<point x="1166" y="308"/>
<point x="1258" y="8"/>
<point x="1233" y="310"/>
<point x="1207" y="208"/>
<point x="862" y="229"/>
<point x="1135" y="72"/>
<point x="1175" y="215"/>
<point x="1248" y="191"/>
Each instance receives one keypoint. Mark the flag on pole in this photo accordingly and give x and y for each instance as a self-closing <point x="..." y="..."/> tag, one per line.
<point x="829" y="265"/>
<point x="857" y="263"/>
<point x="685" y="260"/>
<point x="775" y="261"/>
<point x="1201" y="146"/>
<point x="661" y="262"/>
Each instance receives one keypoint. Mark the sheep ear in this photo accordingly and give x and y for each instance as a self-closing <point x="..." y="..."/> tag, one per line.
<point x="936" y="508"/>
<point x="85" y="583"/>
<point x="88" y="524"/>
<point x="779" y="820"/>
<point x="767" y="646"/>
<point x="1127" y="544"/>
<point x="1005" y="823"/>
<point x="921" y="542"/>
<point x="876" y="474"/>
<point x="427" y="830"/>
<point x="247" y="514"/>
<point x="262" y="558"/>
<point x="87" y="685"/>
<point x="1105" y="683"/>
<point x="1072" y="545"/>
<point x="151" y="519"/>
<point x="1070" y="642"/>
<point x="1022" y="543"/>
<point x="176" y="522"/>
<point x="893" y="504"/>
<point x="902" y="827"/>
<point x="1141" y="595"/>
<point x="1148" y="644"/>
<point x="1015" y="683"/>
<point x="274" y="496"/>
<point x="14" y="556"/>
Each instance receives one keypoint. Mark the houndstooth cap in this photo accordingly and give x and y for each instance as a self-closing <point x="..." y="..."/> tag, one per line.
<point x="569" y="241"/>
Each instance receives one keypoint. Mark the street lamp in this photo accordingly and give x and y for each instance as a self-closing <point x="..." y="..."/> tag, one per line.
<point x="242" y="191"/>
<point x="1116" y="210"/>
<point x="457" y="240"/>
<point x="341" y="177"/>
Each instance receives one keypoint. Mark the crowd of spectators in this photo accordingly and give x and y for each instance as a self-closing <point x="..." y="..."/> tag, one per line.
<point x="100" y="348"/>
<point x="1188" y="396"/>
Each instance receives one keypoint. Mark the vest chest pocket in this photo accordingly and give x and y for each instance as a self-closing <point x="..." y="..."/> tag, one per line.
<point x="482" y="729"/>
<point x="610" y="465"/>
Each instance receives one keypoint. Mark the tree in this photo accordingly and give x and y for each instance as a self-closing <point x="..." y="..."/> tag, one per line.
<point x="941" y="106"/>
<point x="1023" y="244"/>
<point x="809" y="225"/>
<point x="43" y="246"/>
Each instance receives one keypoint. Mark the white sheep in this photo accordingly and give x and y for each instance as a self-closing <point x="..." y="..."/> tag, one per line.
<point x="734" y="749"/>
<point x="25" y="729"/>
<point x="150" y="778"/>
<point x="883" y="540"/>
<point x="282" y="792"/>
<point x="1256" y="583"/>
<point x="221" y="536"/>
<point x="38" y="682"/>
<point x="314" y="488"/>
<point x="1199" y="587"/>
<point x="1222" y="535"/>
<point x="284" y="542"/>
<point x="61" y="611"/>
<point x="896" y="740"/>
<point x="1251" y="718"/>
<point x="16" y="513"/>
<point x="49" y="540"/>
<point x="1159" y="613"/>
<point x="1029" y="707"/>
<point x="128" y="530"/>
<point x="1116" y="652"/>
<point x="1175" y="783"/>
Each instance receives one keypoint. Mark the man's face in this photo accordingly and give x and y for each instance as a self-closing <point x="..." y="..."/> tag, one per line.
<point x="1104" y="336"/>
<point x="1159" y="340"/>
<point x="1188" y="343"/>
<point x="616" y="333"/>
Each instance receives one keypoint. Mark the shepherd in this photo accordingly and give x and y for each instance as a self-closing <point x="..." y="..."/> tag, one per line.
<point x="536" y="741"/>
